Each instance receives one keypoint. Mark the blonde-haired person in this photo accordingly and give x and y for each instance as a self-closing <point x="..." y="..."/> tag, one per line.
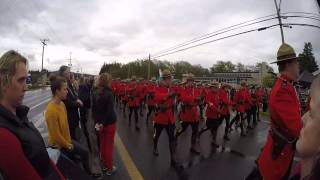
<point x="308" y="144"/>
<point x="105" y="117"/>
<point x="23" y="153"/>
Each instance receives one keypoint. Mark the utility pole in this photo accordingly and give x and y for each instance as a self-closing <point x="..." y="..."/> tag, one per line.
<point x="279" y="18"/>
<point x="149" y="67"/>
<point x="43" y="41"/>
<point x="70" y="64"/>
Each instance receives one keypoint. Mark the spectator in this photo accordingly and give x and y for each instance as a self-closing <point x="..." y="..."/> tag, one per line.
<point x="23" y="153"/>
<point x="308" y="144"/>
<point x="72" y="102"/>
<point x="84" y="96"/>
<point x="56" y="118"/>
<point x="104" y="115"/>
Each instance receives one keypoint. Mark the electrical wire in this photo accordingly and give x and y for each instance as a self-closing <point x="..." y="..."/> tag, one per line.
<point x="226" y="37"/>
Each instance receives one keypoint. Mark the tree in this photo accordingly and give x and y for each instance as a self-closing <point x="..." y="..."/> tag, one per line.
<point x="307" y="60"/>
<point x="268" y="81"/>
<point x="223" y="66"/>
<point x="240" y="67"/>
<point x="264" y="65"/>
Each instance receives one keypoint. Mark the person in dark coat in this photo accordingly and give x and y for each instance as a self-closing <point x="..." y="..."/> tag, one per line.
<point x="84" y="96"/>
<point x="73" y="103"/>
<point x="105" y="117"/>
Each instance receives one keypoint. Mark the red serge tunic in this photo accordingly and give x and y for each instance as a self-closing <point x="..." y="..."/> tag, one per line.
<point x="133" y="95"/>
<point x="225" y="102"/>
<point x="188" y="97"/>
<point x="284" y="112"/>
<point x="212" y="99"/>
<point x="162" y="98"/>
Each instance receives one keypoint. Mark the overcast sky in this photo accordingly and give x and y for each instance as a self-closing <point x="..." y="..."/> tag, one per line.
<point x="98" y="31"/>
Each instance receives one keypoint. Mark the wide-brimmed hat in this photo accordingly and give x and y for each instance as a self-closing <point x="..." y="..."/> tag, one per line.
<point x="166" y="73"/>
<point x="213" y="84"/>
<point x="226" y="85"/>
<point x="285" y="53"/>
<point x="190" y="77"/>
<point x="133" y="78"/>
<point x="243" y="83"/>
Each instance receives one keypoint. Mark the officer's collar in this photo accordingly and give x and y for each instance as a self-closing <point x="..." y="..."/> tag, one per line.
<point x="284" y="77"/>
<point x="19" y="118"/>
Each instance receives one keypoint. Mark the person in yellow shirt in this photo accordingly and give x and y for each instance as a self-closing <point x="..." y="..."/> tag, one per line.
<point x="57" y="123"/>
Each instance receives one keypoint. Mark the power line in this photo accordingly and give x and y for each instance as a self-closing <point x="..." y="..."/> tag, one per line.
<point x="205" y="36"/>
<point x="302" y="24"/>
<point x="305" y="17"/>
<point x="32" y="4"/>
<point x="209" y="34"/>
<point x="216" y="34"/>
<point x="226" y="37"/>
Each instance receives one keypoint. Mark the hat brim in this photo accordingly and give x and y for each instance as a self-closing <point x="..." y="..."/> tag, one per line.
<point x="283" y="60"/>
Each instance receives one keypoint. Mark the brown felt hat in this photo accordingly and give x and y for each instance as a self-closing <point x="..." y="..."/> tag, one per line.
<point x="285" y="53"/>
<point x="166" y="73"/>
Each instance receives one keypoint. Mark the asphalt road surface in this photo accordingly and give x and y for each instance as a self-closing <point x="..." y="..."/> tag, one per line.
<point x="133" y="150"/>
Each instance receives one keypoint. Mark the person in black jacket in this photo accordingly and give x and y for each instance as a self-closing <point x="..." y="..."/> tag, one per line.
<point x="105" y="117"/>
<point x="73" y="103"/>
<point x="84" y="96"/>
<point x="23" y="152"/>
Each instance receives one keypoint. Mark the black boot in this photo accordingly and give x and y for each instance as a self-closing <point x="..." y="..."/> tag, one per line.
<point x="173" y="157"/>
<point x="155" y="147"/>
<point x="194" y="147"/>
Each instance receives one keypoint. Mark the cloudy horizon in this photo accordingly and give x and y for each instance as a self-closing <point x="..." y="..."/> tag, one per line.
<point x="100" y="31"/>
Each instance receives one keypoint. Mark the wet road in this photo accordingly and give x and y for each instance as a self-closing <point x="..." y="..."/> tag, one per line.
<point x="133" y="150"/>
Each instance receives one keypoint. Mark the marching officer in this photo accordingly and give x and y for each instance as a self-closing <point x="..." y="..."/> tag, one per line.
<point x="164" y="117"/>
<point x="274" y="162"/>
<point x="133" y="101"/>
<point x="213" y="112"/>
<point x="150" y="90"/>
<point x="225" y="105"/>
<point x="248" y="106"/>
<point x="189" y="114"/>
<point x="239" y="99"/>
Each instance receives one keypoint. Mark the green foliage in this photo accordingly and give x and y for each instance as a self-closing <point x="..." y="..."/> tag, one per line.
<point x="307" y="60"/>
<point x="264" y="65"/>
<point x="223" y="66"/>
<point x="268" y="81"/>
<point x="139" y="68"/>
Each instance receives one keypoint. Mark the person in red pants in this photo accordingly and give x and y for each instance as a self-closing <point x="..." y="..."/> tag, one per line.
<point x="104" y="115"/>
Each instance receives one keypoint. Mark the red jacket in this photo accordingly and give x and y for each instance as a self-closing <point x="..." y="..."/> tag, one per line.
<point x="162" y="98"/>
<point x="213" y="110"/>
<point x="133" y="95"/>
<point x="150" y="90"/>
<point x="239" y="100"/>
<point x="190" y="111"/>
<point x="225" y="102"/>
<point x="248" y="99"/>
<point x="285" y="112"/>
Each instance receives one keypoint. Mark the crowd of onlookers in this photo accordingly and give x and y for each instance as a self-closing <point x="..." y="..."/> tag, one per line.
<point x="23" y="153"/>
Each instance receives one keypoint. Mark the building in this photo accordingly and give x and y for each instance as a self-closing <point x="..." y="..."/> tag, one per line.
<point x="233" y="77"/>
<point x="252" y="77"/>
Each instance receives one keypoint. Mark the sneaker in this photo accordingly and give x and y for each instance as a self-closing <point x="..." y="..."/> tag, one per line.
<point x="109" y="172"/>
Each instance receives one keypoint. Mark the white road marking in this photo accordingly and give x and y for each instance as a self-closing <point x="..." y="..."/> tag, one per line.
<point x="35" y="106"/>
